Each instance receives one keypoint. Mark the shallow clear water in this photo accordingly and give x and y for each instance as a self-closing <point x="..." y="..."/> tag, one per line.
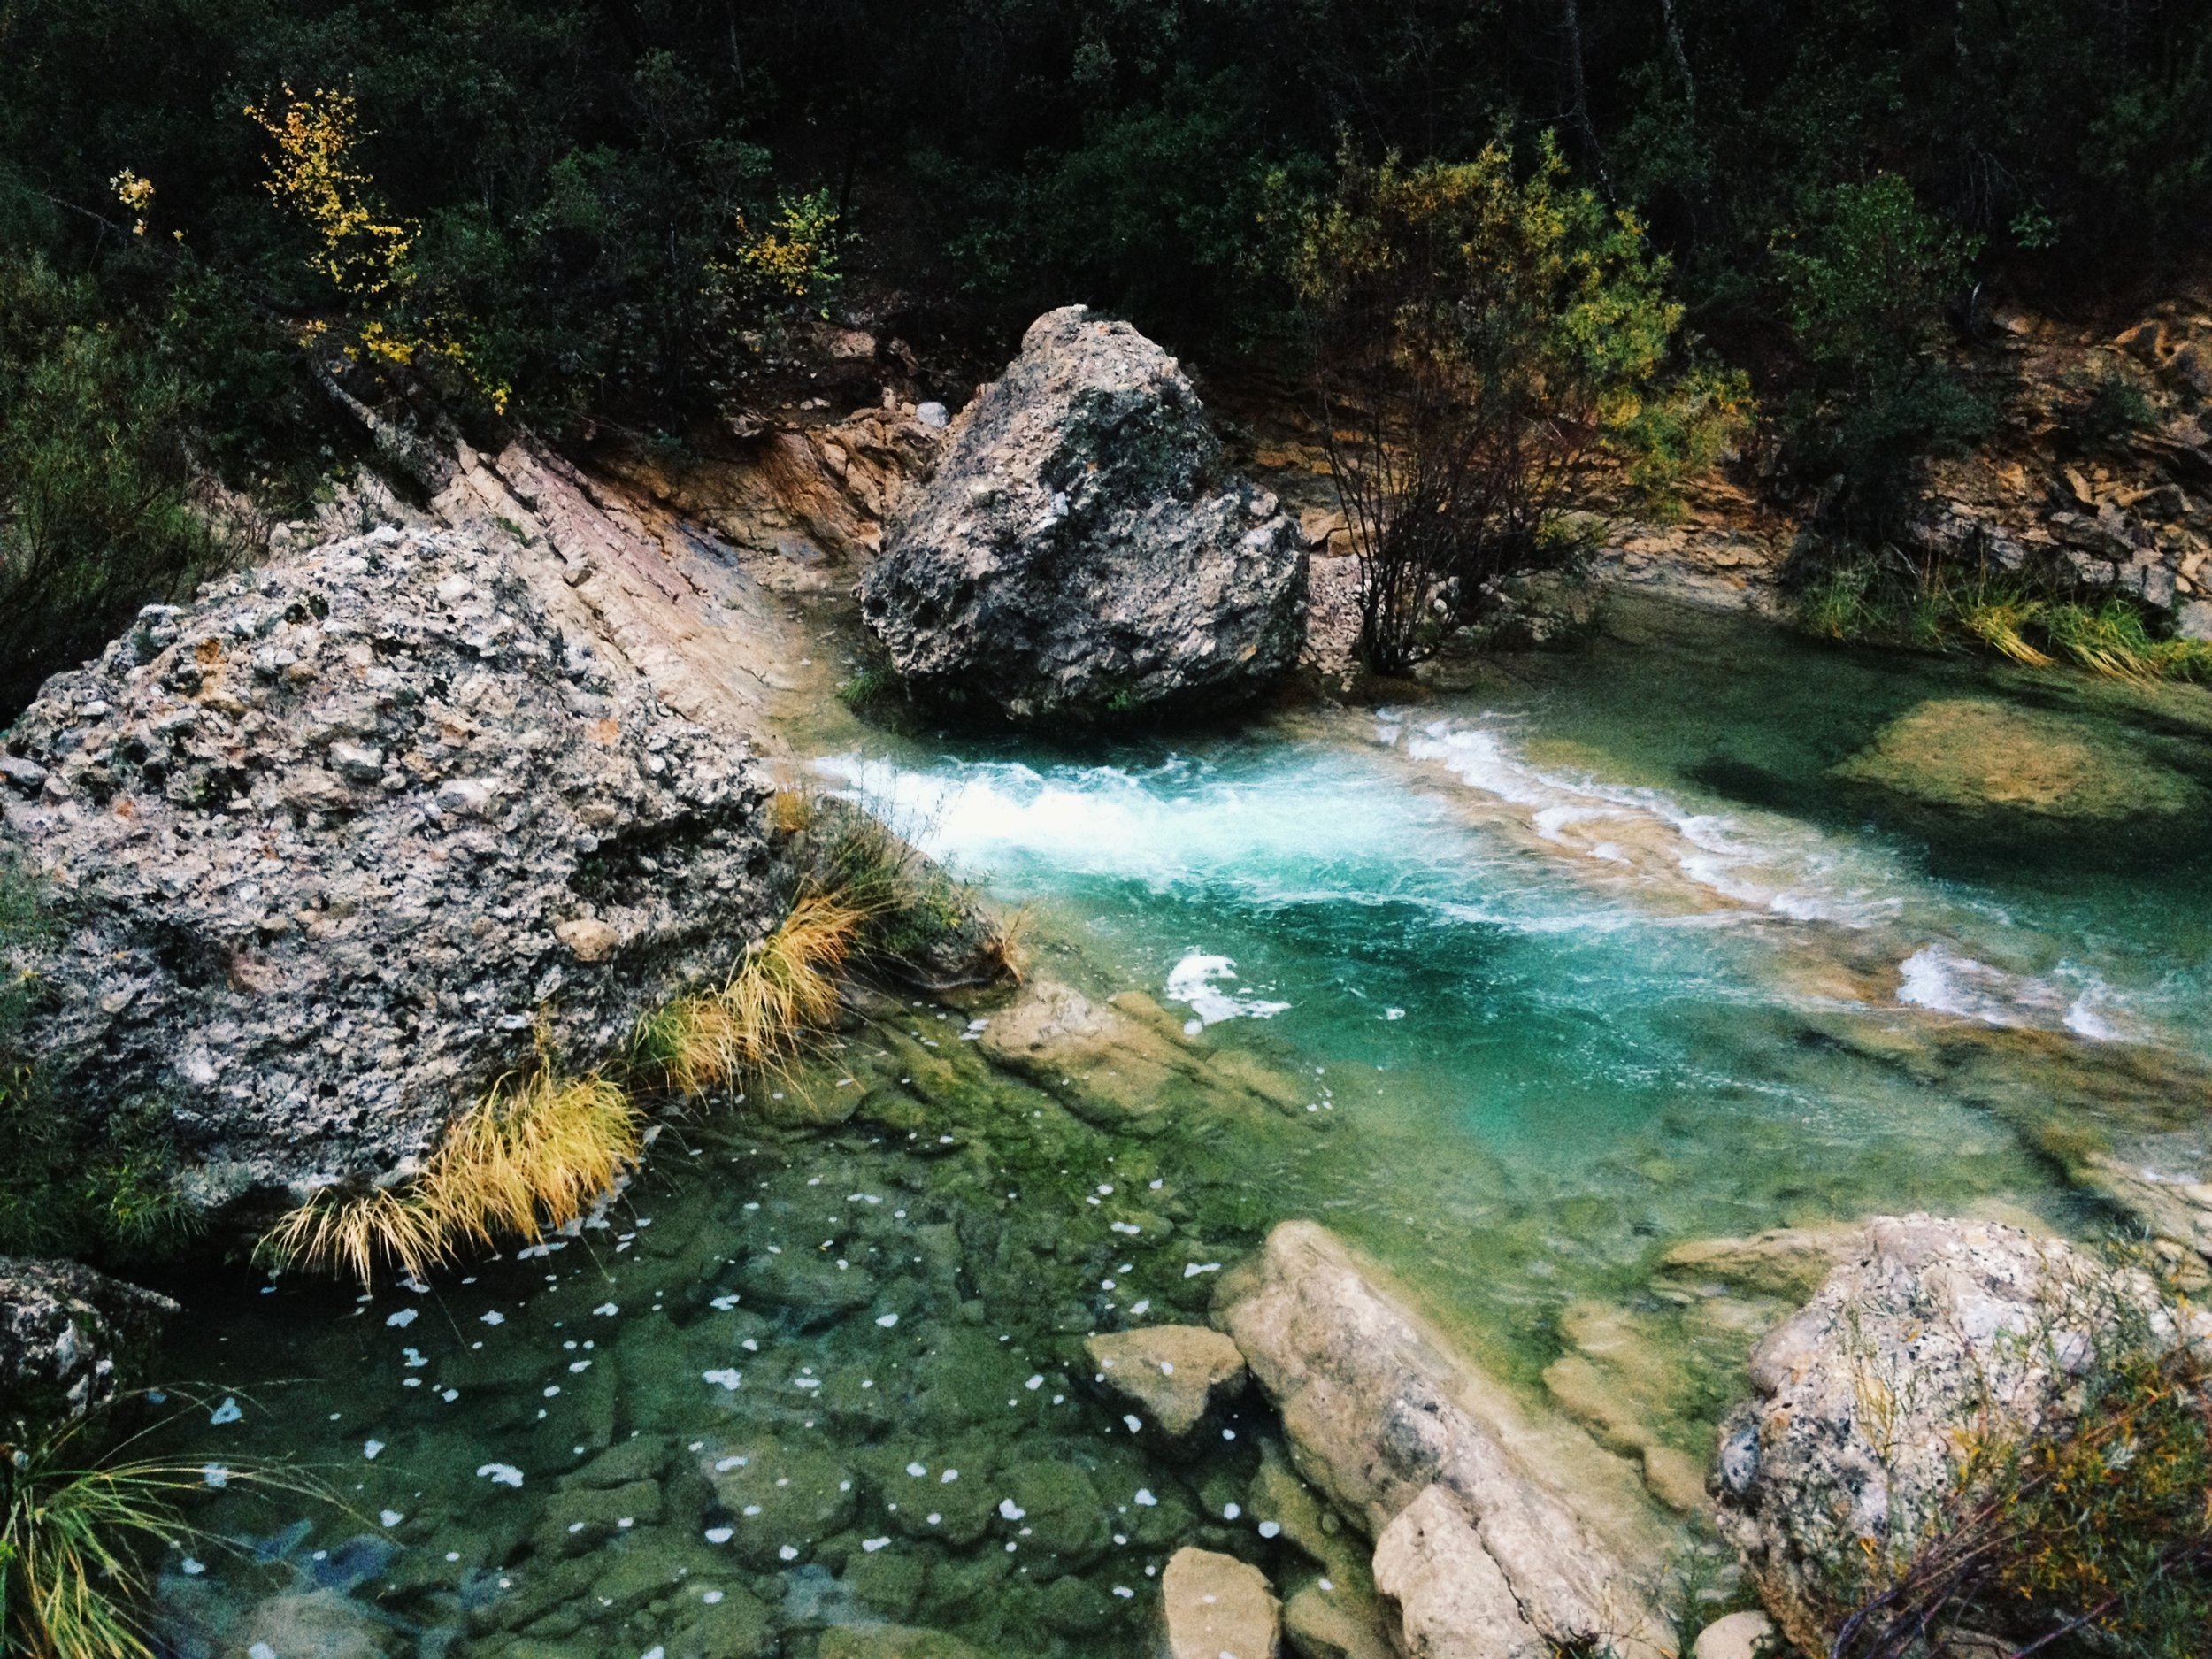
<point x="1589" y="959"/>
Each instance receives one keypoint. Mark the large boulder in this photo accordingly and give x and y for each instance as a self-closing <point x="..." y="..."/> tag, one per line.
<point x="1931" y="1334"/>
<point x="1495" y="1535"/>
<point x="70" y="1339"/>
<point x="1081" y="554"/>
<point x="331" y="848"/>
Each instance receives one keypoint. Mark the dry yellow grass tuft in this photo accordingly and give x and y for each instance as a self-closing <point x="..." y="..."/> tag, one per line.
<point x="532" y="1156"/>
<point x="785" y="988"/>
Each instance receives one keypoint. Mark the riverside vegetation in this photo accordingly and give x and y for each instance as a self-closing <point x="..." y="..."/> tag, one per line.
<point x="1528" y="271"/>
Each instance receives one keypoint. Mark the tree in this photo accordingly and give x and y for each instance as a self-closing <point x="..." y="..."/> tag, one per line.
<point x="1480" y="336"/>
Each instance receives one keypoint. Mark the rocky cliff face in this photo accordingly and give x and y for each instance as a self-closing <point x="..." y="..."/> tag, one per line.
<point x="70" y="1339"/>
<point x="1079" y="553"/>
<point x="2101" y="469"/>
<point x="326" y="850"/>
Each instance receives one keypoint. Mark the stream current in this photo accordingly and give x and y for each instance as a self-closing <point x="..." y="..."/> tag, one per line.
<point x="1597" y="955"/>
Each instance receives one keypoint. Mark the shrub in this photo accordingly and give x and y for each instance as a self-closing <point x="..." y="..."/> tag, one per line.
<point x="1864" y="285"/>
<point x="95" y="471"/>
<point x="2093" y="1528"/>
<point x="1479" y="336"/>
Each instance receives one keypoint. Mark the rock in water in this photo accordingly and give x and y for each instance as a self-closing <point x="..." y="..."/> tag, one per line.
<point x="1216" y="1607"/>
<point x="1931" y="1328"/>
<point x="323" y="850"/>
<point x="1174" y="1372"/>
<point x="1079" y="555"/>
<point x="1474" y="1539"/>
<point x="70" y="1339"/>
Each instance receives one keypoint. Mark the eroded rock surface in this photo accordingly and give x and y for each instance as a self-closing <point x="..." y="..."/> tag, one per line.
<point x="1174" y="1373"/>
<point x="70" y="1339"/>
<point x="325" y="850"/>
<point x="1494" y="1534"/>
<point x="1080" y="554"/>
<point x="1947" y="1325"/>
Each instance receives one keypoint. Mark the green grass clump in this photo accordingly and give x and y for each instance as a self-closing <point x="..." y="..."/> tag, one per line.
<point x="1930" y="609"/>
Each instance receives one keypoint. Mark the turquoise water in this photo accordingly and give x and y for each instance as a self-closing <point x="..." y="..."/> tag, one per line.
<point x="1589" y="959"/>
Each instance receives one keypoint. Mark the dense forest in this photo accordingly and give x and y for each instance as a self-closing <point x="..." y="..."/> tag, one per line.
<point x="584" y="216"/>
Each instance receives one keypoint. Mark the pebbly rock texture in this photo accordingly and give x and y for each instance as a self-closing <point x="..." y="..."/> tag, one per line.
<point x="1174" y="1373"/>
<point x="1493" y="1535"/>
<point x="70" y="1339"/>
<point x="1929" y="1328"/>
<point x="1216" y="1607"/>
<point x="324" y="851"/>
<point x="1079" y="555"/>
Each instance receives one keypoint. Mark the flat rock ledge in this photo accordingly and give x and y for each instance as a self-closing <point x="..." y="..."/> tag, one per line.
<point x="1080" y="555"/>
<point x="1216" y="1607"/>
<point x="327" y="850"/>
<point x="1496" y="1537"/>
<point x="71" y="1340"/>
<point x="1175" y="1374"/>
<point x="1955" y="1325"/>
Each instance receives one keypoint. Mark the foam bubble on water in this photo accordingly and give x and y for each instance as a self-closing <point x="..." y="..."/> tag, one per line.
<point x="1195" y="982"/>
<point x="1942" y="980"/>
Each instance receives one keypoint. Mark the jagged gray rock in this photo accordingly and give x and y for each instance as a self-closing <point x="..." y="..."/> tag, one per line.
<point x="1929" y="1328"/>
<point x="326" y="849"/>
<point x="70" y="1339"/>
<point x="1080" y="554"/>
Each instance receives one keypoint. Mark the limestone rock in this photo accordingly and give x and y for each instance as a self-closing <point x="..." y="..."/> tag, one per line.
<point x="315" y="1624"/>
<point x="1173" y="1373"/>
<point x="1079" y="555"/>
<point x="1976" y="753"/>
<point x="1930" y="1315"/>
<point x="1381" y="1415"/>
<point x="1454" y="1599"/>
<point x="1216" y="1607"/>
<point x="70" y="1338"/>
<point x="1121" y="1062"/>
<point x="1736" y="1636"/>
<point x="1782" y="1261"/>
<point x="1336" y="1622"/>
<point x="892" y="1641"/>
<point x="309" y="970"/>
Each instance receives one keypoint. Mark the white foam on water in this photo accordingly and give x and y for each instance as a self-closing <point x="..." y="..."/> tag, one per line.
<point x="1196" y="981"/>
<point x="1943" y="981"/>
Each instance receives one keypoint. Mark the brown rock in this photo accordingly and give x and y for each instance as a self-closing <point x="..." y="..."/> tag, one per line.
<point x="1216" y="1607"/>
<point x="592" y="940"/>
<point x="1175" y="1372"/>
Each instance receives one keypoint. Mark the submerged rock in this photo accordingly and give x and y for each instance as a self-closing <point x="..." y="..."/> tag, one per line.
<point x="1080" y="554"/>
<point x="327" y="850"/>
<point x="1494" y="1534"/>
<point x="1216" y="1607"/>
<point x="1976" y="753"/>
<point x="1122" y="1062"/>
<point x="70" y="1339"/>
<point x="1953" y="1326"/>
<point x="1176" y="1373"/>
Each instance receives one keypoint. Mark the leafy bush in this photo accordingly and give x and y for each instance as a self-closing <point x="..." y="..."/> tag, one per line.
<point x="95" y="470"/>
<point x="1479" y="337"/>
<point x="1864" y="285"/>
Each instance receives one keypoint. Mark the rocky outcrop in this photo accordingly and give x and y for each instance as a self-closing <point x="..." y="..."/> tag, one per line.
<point x="1930" y="1329"/>
<point x="333" y="847"/>
<point x="1494" y="1534"/>
<point x="1216" y="1607"/>
<point x="1174" y="1373"/>
<point x="1079" y="555"/>
<point x="70" y="1339"/>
